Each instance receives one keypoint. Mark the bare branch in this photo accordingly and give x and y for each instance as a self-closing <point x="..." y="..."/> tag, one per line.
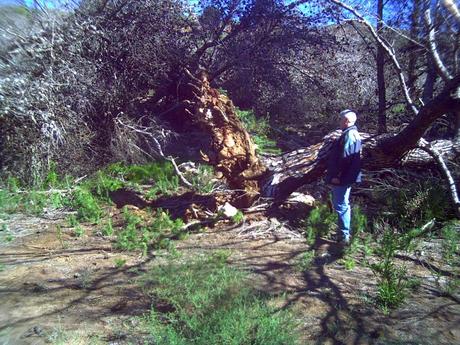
<point x="452" y="8"/>
<point x="442" y="69"/>
<point x="146" y="132"/>
<point x="446" y="173"/>
<point x="388" y="49"/>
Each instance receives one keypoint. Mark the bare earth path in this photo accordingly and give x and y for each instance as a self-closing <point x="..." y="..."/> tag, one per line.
<point x="51" y="284"/>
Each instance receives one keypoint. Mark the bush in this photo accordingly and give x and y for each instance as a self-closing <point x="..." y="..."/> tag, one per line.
<point x="260" y="130"/>
<point x="15" y="196"/>
<point x="102" y="184"/>
<point x="391" y="279"/>
<point x="61" y="91"/>
<point x="359" y="221"/>
<point x="415" y="204"/>
<point x="451" y="242"/>
<point x="139" y="235"/>
<point x="86" y="205"/>
<point x="203" y="181"/>
<point x="320" y="222"/>
<point x="29" y="202"/>
<point x="305" y="261"/>
<point x="161" y="174"/>
<point x="211" y="303"/>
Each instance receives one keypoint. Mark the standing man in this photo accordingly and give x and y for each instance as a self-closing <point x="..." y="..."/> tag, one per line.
<point x="344" y="169"/>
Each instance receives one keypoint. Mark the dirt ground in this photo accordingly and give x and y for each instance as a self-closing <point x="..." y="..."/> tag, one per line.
<point x="53" y="284"/>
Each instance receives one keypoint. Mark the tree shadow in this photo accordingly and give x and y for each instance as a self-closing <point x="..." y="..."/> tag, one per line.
<point x="341" y="324"/>
<point x="185" y="206"/>
<point x="427" y="265"/>
<point x="114" y="289"/>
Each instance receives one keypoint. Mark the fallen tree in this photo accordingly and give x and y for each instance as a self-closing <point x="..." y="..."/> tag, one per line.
<point x="233" y="153"/>
<point x="189" y="93"/>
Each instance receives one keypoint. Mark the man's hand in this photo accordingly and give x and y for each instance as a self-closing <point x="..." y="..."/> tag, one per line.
<point x="335" y="180"/>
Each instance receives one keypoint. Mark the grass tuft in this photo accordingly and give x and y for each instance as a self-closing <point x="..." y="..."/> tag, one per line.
<point x="212" y="303"/>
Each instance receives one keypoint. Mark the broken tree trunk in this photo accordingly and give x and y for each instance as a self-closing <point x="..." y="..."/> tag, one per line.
<point x="233" y="153"/>
<point x="297" y="168"/>
<point x="234" y="157"/>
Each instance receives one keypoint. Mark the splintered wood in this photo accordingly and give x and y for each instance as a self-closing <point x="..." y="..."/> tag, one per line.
<point x="233" y="153"/>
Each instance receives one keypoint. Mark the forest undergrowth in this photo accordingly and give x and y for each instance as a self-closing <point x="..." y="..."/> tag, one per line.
<point x="206" y="297"/>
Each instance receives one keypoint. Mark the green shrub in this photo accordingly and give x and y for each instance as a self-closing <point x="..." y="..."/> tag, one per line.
<point x="391" y="280"/>
<point x="359" y="221"/>
<point x="164" y="186"/>
<point x="130" y="237"/>
<point x="163" y="222"/>
<point x="86" y="205"/>
<point x="238" y="217"/>
<point x="320" y="222"/>
<point x="72" y="221"/>
<point x="415" y="204"/>
<point x="5" y="234"/>
<point x="78" y="231"/>
<point x="212" y="303"/>
<point x="115" y="176"/>
<point x="119" y="262"/>
<point x="259" y="130"/>
<point x="102" y="184"/>
<point x="142" y="174"/>
<point x="9" y="202"/>
<point x="107" y="230"/>
<point x="58" y="200"/>
<point x="52" y="178"/>
<point x="349" y="263"/>
<point x="451" y="242"/>
<point x="203" y="181"/>
<point x="34" y="202"/>
<point x="137" y="236"/>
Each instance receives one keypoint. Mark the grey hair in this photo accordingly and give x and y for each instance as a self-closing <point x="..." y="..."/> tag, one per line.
<point x="349" y="114"/>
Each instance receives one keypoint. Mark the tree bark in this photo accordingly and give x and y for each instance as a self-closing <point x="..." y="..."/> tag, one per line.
<point x="457" y="125"/>
<point x="233" y="153"/>
<point x="430" y="80"/>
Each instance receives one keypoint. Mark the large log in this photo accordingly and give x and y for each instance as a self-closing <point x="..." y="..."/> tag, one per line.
<point x="294" y="169"/>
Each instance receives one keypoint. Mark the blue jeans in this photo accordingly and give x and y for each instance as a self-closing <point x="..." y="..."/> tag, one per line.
<point x="341" y="202"/>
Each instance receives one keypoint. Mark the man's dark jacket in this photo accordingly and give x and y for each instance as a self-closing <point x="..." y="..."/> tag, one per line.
<point x="344" y="160"/>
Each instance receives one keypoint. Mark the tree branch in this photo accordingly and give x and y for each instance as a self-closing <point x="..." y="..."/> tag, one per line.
<point x="446" y="173"/>
<point x="388" y="49"/>
<point x="442" y="69"/>
<point x="144" y="131"/>
<point x="408" y="138"/>
<point x="452" y="8"/>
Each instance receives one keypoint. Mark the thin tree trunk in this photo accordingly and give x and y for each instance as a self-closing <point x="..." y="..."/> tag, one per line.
<point x="382" y="120"/>
<point x="430" y="80"/>
<point x="414" y="31"/>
